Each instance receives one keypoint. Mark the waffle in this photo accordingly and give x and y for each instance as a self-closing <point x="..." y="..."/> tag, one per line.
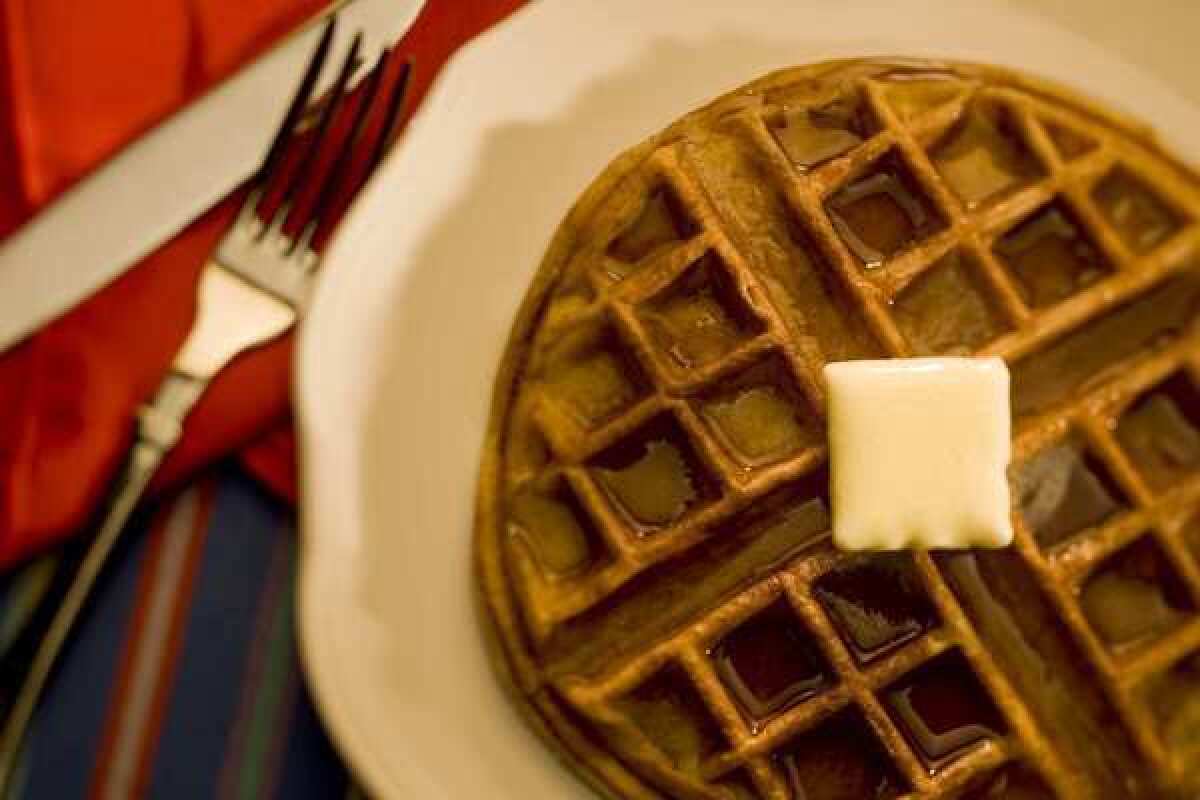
<point x="652" y="541"/>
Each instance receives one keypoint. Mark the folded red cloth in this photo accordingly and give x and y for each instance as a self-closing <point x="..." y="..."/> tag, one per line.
<point x="77" y="81"/>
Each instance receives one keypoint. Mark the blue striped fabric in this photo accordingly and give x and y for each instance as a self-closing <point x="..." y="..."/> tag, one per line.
<point x="183" y="680"/>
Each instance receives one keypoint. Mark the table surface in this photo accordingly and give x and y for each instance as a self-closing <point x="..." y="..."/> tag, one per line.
<point x="183" y="679"/>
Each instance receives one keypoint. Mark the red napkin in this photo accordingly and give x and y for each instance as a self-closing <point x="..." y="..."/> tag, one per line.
<point x="77" y="81"/>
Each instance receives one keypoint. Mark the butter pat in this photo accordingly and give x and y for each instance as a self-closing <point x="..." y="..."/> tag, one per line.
<point x="919" y="451"/>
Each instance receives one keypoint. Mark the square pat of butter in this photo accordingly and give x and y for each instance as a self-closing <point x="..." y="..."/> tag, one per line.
<point x="919" y="450"/>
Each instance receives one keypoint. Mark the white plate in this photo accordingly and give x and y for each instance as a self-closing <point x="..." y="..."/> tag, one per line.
<point x="397" y="358"/>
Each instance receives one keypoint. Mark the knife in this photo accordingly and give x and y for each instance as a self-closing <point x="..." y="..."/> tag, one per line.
<point x="166" y="178"/>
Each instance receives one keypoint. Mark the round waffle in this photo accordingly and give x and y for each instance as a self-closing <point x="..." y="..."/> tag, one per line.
<point x="652" y="534"/>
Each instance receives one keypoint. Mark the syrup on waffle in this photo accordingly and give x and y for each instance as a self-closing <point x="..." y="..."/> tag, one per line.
<point x="652" y="537"/>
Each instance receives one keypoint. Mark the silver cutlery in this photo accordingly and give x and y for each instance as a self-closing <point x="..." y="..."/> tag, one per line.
<point x="254" y="287"/>
<point x="46" y="267"/>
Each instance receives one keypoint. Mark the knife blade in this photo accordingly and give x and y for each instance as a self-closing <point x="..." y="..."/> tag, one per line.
<point x="162" y="181"/>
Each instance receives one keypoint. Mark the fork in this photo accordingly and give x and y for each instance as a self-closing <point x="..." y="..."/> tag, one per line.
<point x="255" y="286"/>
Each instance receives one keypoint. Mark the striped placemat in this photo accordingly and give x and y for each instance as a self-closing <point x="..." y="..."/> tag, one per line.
<point x="183" y="680"/>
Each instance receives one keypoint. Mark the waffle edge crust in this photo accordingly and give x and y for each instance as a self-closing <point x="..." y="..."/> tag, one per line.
<point x="653" y="560"/>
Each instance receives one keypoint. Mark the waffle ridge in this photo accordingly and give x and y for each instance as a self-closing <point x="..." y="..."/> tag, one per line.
<point x="720" y="263"/>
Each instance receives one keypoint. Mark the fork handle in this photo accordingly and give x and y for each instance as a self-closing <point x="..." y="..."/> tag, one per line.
<point x="160" y="424"/>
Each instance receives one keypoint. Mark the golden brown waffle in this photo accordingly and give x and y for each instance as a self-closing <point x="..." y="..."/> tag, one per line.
<point x="652" y="529"/>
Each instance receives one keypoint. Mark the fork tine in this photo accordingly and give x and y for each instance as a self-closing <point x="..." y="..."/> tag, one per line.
<point x="295" y="111"/>
<point x="334" y="178"/>
<point x="337" y="96"/>
<point x="398" y="92"/>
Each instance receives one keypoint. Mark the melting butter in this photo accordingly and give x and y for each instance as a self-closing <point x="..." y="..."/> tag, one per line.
<point x="919" y="450"/>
